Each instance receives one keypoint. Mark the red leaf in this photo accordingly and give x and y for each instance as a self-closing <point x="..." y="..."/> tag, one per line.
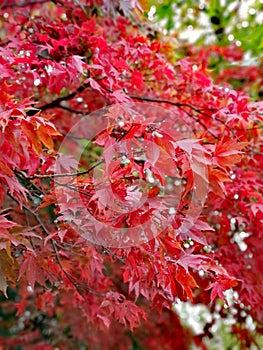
<point x="218" y="287"/>
<point x="32" y="270"/>
<point x="137" y="79"/>
<point x="227" y="152"/>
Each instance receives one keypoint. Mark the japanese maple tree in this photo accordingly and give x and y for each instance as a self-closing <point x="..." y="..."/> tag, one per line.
<point x="129" y="182"/>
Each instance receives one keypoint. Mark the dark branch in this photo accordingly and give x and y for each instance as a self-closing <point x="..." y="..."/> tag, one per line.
<point x="178" y="105"/>
<point x="50" y="176"/>
<point x="57" y="101"/>
<point x="79" y="286"/>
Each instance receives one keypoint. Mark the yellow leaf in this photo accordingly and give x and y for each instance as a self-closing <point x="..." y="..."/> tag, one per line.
<point x="30" y="132"/>
<point x="145" y="4"/>
<point x="44" y="137"/>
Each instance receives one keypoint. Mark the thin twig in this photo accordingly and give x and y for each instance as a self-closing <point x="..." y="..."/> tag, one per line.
<point x="71" y="110"/>
<point x="57" y="101"/>
<point x="78" y="173"/>
<point x="79" y="286"/>
<point x="72" y="279"/>
<point x="72" y="188"/>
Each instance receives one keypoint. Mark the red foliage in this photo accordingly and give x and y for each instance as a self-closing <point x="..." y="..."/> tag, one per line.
<point x="172" y="209"/>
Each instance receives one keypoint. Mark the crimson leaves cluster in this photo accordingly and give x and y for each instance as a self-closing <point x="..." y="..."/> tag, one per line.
<point x="59" y="62"/>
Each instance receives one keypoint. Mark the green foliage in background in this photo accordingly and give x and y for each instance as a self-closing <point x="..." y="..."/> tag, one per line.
<point x="237" y="25"/>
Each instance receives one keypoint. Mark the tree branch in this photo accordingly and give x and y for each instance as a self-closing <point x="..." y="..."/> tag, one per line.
<point x="77" y="285"/>
<point x="78" y="173"/>
<point x="180" y="105"/>
<point x="57" y="101"/>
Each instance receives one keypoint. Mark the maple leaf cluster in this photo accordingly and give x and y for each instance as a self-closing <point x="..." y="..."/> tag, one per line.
<point x="129" y="181"/>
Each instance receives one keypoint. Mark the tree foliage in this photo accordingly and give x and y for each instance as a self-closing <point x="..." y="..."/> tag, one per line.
<point x="163" y="204"/>
<point x="227" y="35"/>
